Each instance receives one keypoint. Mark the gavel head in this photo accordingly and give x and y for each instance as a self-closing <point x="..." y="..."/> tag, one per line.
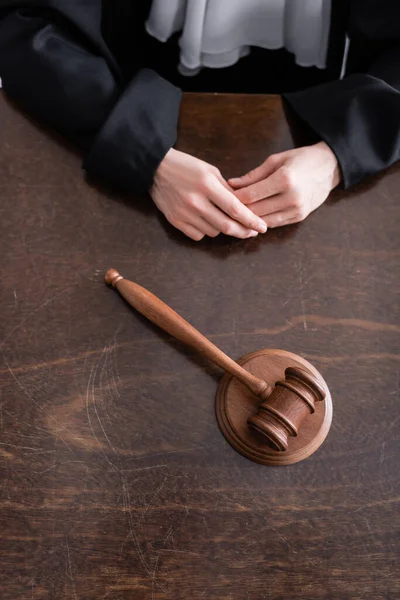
<point x="289" y="403"/>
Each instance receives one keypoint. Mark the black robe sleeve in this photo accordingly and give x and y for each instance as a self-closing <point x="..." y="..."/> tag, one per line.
<point x="359" y="115"/>
<point x="55" y="64"/>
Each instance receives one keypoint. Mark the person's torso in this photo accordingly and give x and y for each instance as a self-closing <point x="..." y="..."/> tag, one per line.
<point x="263" y="71"/>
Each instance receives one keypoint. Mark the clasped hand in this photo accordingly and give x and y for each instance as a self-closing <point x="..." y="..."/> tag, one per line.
<point x="195" y="198"/>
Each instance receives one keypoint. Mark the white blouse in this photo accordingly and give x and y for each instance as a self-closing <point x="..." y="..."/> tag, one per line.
<point x="217" y="33"/>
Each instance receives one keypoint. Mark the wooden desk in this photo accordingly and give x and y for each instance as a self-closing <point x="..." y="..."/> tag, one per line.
<point x="115" y="480"/>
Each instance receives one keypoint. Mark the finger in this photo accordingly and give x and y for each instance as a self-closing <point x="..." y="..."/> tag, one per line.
<point x="192" y="232"/>
<point x="228" y="187"/>
<point x="279" y="219"/>
<point x="277" y="203"/>
<point x="263" y="189"/>
<point x="225" y="183"/>
<point x="204" y="226"/>
<point x="228" y="202"/>
<point x="219" y="220"/>
<point x="268" y="167"/>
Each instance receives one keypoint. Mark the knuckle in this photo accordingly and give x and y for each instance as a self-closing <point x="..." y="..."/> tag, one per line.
<point x="174" y="223"/>
<point x="227" y="228"/>
<point x="207" y="180"/>
<point x="197" y="237"/>
<point x="192" y="201"/>
<point x="272" y="160"/>
<point x="287" y="178"/>
<point x="296" y="203"/>
<point x="235" y="212"/>
<point x="300" y="213"/>
<point x="275" y="222"/>
<point x="300" y="208"/>
<point x="216" y="172"/>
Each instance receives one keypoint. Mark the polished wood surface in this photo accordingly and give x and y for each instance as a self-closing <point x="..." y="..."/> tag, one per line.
<point x="165" y="317"/>
<point x="287" y="398"/>
<point x="116" y="482"/>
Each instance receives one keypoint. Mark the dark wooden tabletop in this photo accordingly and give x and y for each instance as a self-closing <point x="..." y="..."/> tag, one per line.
<point x="116" y="482"/>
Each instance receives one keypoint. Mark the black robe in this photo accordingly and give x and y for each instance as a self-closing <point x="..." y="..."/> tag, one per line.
<point x="88" y="69"/>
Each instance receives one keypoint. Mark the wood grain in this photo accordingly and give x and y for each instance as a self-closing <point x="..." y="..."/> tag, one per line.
<point x="115" y="480"/>
<point x="164" y="316"/>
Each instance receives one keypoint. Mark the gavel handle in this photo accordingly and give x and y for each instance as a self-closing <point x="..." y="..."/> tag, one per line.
<point x="162" y="315"/>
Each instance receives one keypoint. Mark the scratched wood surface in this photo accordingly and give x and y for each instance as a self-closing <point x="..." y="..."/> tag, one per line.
<point x="115" y="480"/>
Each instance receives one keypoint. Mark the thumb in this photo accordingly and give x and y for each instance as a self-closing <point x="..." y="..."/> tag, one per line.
<point x="268" y="167"/>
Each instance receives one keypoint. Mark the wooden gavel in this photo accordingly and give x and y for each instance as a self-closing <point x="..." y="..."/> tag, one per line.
<point x="282" y="409"/>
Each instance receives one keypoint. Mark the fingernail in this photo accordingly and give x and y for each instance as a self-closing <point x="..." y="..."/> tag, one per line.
<point x="263" y="227"/>
<point x="253" y="234"/>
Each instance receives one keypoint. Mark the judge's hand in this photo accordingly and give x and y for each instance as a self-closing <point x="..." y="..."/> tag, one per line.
<point x="196" y="199"/>
<point x="288" y="186"/>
